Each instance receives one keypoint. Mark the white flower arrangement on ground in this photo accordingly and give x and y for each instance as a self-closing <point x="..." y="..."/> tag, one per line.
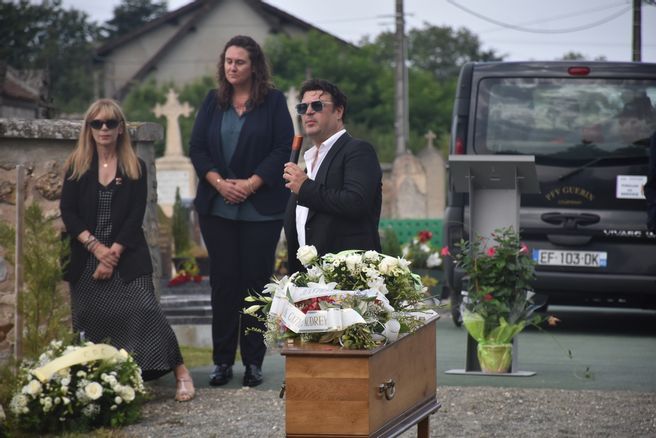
<point x="358" y="299"/>
<point x="77" y="388"/>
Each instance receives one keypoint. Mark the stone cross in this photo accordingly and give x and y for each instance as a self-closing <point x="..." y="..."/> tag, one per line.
<point x="172" y="109"/>
<point x="430" y="136"/>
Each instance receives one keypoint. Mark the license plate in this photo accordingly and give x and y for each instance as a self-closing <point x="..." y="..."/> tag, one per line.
<point x="586" y="259"/>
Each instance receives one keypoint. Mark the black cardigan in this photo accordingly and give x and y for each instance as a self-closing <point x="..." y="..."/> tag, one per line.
<point x="79" y="204"/>
<point x="263" y="148"/>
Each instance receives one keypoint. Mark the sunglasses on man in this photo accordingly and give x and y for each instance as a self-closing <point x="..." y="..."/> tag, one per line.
<point x="317" y="107"/>
<point x="98" y="124"/>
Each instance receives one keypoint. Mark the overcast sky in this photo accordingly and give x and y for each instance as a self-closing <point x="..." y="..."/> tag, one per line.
<point x="518" y="29"/>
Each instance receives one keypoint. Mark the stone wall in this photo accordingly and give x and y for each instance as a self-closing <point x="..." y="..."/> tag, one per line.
<point x="42" y="147"/>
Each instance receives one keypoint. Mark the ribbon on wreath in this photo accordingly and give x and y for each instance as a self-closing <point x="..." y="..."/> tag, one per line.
<point x="81" y="355"/>
<point x="329" y="320"/>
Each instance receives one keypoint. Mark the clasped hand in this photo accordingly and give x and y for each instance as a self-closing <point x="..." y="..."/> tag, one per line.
<point x="108" y="261"/>
<point x="235" y="191"/>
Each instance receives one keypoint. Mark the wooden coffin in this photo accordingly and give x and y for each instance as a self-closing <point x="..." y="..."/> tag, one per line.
<point x="332" y="391"/>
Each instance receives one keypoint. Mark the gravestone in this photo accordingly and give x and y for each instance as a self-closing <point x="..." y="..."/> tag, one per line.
<point x="408" y="188"/>
<point x="435" y="170"/>
<point x="174" y="169"/>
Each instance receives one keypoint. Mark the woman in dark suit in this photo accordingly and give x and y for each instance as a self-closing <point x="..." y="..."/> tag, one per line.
<point x="240" y="142"/>
<point x="102" y="205"/>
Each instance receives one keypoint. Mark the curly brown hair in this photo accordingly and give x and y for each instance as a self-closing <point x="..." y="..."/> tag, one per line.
<point x="261" y="73"/>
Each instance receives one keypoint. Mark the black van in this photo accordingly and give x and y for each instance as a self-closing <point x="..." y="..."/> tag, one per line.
<point x="588" y="125"/>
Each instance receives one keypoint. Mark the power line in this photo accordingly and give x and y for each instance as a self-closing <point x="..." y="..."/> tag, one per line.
<point x="560" y="16"/>
<point x="552" y="31"/>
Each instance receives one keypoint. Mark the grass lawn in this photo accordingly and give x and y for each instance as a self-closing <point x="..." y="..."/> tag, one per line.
<point x="196" y="356"/>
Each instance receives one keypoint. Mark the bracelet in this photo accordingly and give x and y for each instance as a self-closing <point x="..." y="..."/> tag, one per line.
<point x="250" y="185"/>
<point x="87" y="243"/>
<point x="93" y="245"/>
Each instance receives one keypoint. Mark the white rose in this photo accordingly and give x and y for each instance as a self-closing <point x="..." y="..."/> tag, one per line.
<point x="118" y="400"/>
<point x="353" y="262"/>
<point x="128" y="394"/>
<point x="112" y="381"/>
<point x="434" y="260"/>
<point x="123" y="355"/>
<point x="33" y="388"/>
<point x="404" y="264"/>
<point x="387" y="265"/>
<point x="18" y="404"/>
<point x="66" y="381"/>
<point x="306" y="254"/>
<point x="370" y="255"/>
<point x="66" y="400"/>
<point x="93" y="390"/>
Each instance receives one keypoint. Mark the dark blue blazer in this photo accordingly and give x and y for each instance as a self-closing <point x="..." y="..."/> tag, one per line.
<point x="79" y="205"/>
<point x="263" y="148"/>
<point x="344" y="202"/>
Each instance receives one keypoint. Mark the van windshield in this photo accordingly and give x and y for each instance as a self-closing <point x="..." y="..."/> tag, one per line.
<point x="565" y="118"/>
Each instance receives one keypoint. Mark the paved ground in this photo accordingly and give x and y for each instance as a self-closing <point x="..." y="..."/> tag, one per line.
<point x="612" y="349"/>
<point x="608" y="389"/>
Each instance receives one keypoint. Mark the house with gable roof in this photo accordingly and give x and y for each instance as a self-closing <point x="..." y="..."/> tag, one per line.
<point x="185" y="44"/>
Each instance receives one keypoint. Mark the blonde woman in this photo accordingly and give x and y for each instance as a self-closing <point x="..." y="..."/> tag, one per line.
<point x="102" y="205"/>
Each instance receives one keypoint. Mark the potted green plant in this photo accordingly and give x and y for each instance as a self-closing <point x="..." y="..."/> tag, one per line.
<point x="498" y="303"/>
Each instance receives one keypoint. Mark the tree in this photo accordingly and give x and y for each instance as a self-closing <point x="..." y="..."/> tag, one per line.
<point x="139" y="103"/>
<point x="441" y="50"/>
<point x="132" y="14"/>
<point x="45" y="36"/>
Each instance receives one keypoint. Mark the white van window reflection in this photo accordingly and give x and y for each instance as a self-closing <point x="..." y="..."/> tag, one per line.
<point x="565" y="118"/>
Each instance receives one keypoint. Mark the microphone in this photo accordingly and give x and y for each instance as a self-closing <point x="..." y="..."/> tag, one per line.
<point x="296" y="148"/>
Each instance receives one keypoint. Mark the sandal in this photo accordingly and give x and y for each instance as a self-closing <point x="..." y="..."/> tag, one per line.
<point x="184" y="390"/>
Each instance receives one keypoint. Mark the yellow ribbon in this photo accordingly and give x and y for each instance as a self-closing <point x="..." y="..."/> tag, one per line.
<point x="84" y="354"/>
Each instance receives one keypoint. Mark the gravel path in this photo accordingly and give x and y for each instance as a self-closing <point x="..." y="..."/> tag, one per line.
<point x="466" y="412"/>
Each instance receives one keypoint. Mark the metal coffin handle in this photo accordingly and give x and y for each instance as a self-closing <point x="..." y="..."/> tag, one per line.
<point x="388" y="388"/>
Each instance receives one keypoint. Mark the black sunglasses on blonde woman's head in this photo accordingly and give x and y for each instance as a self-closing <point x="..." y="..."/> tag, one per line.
<point x="98" y="124"/>
<point x="317" y="107"/>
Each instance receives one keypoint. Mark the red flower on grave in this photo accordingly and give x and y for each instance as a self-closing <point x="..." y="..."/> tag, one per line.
<point x="424" y="236"/>
<point x="445" y="251"/>
<point x="491" y="251"/>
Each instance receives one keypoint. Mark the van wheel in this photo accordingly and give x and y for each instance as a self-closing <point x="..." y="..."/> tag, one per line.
<point x="455" y="300"/>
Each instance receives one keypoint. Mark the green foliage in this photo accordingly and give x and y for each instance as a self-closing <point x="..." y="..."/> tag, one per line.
<point x="82" y="396"/>
<point x="140" y="101"/>
<point x="390" y="242"/>
<point x="46" y="36"/>
<point x="132" y="14"/>
<point x="41" y="302"/>
<point x="180" y="226"/>
<point x="366" y="75"/>
<point x="499" y="272"/>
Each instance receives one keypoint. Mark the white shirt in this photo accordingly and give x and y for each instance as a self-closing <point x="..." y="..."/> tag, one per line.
<point x="312" y="170"/>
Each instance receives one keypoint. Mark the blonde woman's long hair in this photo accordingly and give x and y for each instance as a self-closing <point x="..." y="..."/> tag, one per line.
<point x="80" y="160"/>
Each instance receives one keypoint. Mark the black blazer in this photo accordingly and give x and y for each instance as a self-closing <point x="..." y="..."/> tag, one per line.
<point x="79" y="204"/>
<point x="650" y="187"/>
<point x="263" y="148"/>
<point x="344" y="202"/>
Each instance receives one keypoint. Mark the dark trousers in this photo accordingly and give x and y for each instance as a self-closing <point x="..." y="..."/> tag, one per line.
<point x="242" y="257"/>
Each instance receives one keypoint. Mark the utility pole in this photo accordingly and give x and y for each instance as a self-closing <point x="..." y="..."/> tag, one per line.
<point x="401" y="122"/>
<point x="637" y="37"/>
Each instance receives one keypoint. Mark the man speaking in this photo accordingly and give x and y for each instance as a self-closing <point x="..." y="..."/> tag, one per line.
<point x="336" y="204"/>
